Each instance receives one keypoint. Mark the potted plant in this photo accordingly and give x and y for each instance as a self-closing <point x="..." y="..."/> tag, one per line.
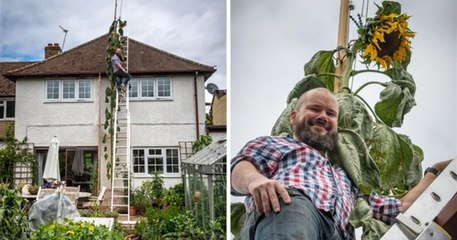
<point x="139" y="201"/>
<point x="33" y="189"/>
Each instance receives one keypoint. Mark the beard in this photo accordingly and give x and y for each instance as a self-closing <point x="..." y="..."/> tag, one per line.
<point x="304" y="134"/>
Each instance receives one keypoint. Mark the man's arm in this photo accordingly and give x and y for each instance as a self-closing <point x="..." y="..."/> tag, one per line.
<point x="416" y="191"/>
<point x="247" y="180"/>
<point x="119" y="65"/>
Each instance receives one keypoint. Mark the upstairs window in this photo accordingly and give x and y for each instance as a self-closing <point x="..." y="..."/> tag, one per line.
<point x="151" y="88"/>
<point x="68" y="90"/>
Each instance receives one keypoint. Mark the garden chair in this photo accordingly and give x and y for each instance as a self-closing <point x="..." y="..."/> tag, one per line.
<point x="42" y="192"/>
<point x="95" y="201"/>
<point x="72" y="189"/>
<point x="72" y="196"/>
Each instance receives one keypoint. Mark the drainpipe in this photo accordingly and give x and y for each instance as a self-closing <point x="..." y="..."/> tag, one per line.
<point x="196" y="104"/>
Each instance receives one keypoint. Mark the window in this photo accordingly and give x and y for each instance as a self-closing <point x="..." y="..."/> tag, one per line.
<point x="67" y="90"/>
<point x="7" y="109"/>
<point x="151" y="88"/>
<point x="163" y="87"/>
<point x="52" y="88"/>
<point x="160" y="160"/>
<point x="138" y="161"/>
<point x="84" y="89"/>
<point x="147" y="88"/>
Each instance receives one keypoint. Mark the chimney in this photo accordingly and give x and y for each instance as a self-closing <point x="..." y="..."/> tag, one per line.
<point x="51" y="50"/>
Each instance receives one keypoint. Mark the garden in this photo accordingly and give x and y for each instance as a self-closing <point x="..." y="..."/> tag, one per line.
<point x="161" y="213"/>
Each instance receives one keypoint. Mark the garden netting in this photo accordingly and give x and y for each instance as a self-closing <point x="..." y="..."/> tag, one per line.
<point x="54" y="207"/>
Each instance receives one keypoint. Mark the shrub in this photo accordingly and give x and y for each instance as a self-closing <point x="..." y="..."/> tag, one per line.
<point x="75" y="231"/>
<point x="13" y="220"/>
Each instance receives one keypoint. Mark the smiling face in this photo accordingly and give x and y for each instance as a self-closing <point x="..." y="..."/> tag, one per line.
<point x="315" y="119"/>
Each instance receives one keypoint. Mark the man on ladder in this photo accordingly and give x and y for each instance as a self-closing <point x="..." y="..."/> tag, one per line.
<point x="120" y="73"/>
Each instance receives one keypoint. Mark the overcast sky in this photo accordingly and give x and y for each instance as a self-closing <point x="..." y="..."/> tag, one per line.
<point x="272" y="40"/>
<point x="193" y="29"/>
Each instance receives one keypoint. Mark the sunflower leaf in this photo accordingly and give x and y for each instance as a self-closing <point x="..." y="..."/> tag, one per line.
<point x="237" y="219"/>
<point x="392" y="155"/>
<point x="354" y="116"/>
<point x="282" y="126"/>
<point x="352" y="154"/>
<point x="388" y="7"/>
<point x="362" y="215"/>
<point x="414" y="173"/>
<point x="395" y="103"/>
<point x="322" y="62"/>
<point x="307" y="83"/>
<point x="402" y="78"/>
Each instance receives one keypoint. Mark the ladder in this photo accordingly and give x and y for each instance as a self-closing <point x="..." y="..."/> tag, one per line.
<point x="417" y="222"/>
<point x="120" y="189"/>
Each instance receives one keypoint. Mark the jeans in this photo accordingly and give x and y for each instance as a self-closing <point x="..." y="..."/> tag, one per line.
<point x="298" y="220"/>
<point x="120" y="75"/>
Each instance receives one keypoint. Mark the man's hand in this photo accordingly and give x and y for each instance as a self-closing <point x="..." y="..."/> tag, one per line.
<point x="265" y="192"/>
<point x="247" y="180"/>
<point x="441" y="165"/>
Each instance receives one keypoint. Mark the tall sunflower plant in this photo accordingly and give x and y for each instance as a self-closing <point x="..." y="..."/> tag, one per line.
<point x="374" y="155"/>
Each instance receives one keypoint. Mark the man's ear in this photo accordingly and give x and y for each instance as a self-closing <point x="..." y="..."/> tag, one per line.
<point x="293" y="115"/>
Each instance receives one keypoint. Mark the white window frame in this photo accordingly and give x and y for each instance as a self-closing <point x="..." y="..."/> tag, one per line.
<point x="76" y="97"/>
<point x="155" y="82"/>
<point x="163" y="155"/>
<point x="3" y="114"/>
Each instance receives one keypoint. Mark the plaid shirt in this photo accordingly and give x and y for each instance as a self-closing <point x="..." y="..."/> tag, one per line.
<point x="298" y="165"/>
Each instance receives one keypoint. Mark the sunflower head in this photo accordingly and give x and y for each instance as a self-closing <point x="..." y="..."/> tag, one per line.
<point x="385" y="39"/>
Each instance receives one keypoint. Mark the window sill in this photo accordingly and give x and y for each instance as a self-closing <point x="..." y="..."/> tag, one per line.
<point x="167" y="175"/>
<point x="69" y="101"/>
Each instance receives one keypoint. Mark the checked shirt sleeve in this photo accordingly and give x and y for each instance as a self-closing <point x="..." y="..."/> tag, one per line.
<point x="384" y="208"/>
<point x="261" y="152"/>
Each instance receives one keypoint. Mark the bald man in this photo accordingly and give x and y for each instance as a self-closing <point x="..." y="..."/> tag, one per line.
<point x="293" y="190"/>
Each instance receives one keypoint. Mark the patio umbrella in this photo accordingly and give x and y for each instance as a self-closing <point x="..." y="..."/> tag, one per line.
<point x="78" y="163"/>
<point x="51" y="169"/>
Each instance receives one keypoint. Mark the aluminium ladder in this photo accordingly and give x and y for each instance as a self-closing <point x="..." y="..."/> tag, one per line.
<point x="120" y="189"/>
<point x="417" y="222"/>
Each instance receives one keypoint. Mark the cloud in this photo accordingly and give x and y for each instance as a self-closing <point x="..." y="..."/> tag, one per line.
<point x="192" y="29"/>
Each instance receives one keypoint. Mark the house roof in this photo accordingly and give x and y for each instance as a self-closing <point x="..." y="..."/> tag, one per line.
<point x="209" y="154"/>
<point x="88" y="59"/>
<point x="8" y="87"/>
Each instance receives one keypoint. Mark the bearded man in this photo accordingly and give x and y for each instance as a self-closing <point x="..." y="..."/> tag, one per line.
<point x="294" y="191"/>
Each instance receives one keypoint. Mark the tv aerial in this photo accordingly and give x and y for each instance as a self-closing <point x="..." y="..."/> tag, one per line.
<point x="65" y="31"/>
<point x="211" y="88"/>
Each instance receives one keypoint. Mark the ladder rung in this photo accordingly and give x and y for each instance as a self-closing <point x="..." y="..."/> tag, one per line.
<point x="120" y="179"/>
<point x="120" y="187"/>
<point x="120" y="196"/>
<point x="120" y="205"/>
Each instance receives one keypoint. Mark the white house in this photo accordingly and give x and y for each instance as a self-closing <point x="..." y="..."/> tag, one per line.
<point x="64" y="96"/>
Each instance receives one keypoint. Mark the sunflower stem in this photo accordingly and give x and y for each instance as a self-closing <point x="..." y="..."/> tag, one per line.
<point x="368" y="83"/>
<point x="355" y="72"/>
<point x="371" y="110"/>
<point x="330" y="74"/>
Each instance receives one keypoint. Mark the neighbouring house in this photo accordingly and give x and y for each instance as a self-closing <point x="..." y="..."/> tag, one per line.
<point x="7" y="96"/>
<point x="217" y="127"/>
<point x="64" y="96"/>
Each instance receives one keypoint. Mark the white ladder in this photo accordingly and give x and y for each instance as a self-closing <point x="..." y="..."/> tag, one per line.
<point x="417" y="222"/>
<point x="120" y="189"/>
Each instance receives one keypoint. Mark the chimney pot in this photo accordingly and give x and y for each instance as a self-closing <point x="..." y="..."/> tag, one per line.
<point x="51" y="50"/>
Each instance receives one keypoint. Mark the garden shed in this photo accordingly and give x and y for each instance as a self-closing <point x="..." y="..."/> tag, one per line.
<point x="204" y="178"/>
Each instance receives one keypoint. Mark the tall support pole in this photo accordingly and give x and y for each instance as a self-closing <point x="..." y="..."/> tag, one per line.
<point x="115" y="9"/>
<point x="341" y="64"/>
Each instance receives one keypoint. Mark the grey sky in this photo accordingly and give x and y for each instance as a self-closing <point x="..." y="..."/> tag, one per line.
<point x="272" y="40"/>
<point x="193" y="29"/>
